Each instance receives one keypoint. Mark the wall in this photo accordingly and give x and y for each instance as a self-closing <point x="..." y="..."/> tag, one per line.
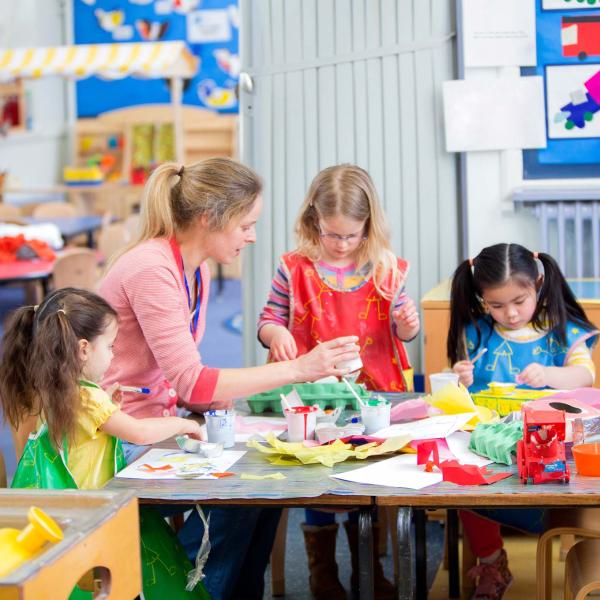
<point x="35" y="157"/>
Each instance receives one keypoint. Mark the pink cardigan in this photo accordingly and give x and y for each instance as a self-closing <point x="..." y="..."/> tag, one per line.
<point x="154" y="346"/>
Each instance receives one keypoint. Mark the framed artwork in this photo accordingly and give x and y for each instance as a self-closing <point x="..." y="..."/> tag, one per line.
<point x="210" y="28"/>
<point x="568" y="58"/>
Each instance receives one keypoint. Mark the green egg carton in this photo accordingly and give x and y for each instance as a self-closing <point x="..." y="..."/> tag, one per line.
<point x="325" y="395"/>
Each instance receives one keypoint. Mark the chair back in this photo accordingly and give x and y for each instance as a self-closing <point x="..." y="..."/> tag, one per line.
<point x="112" y="238"/>
<point x="3" y="479"/>
<point x="51" y="210"/>
<point x="132" y="224"/>
<point x="76" y="268"/>
<point x="9" y="212"/>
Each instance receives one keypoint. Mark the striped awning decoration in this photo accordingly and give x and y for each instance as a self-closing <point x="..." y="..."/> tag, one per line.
<point x="110" y="61"/>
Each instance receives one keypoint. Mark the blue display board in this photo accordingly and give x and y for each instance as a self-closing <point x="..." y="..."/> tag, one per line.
<point x="210" y="28"/>
<point x="568" y="57"/>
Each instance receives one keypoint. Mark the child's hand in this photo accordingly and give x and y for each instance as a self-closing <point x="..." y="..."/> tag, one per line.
<point x="283" y="345"/>
<point x="191" y="428"/>
<point x="534" y="375"/>
<point x="464" y="370"/>
<point x="115" y="393"/>
<point x="407" y="320"/>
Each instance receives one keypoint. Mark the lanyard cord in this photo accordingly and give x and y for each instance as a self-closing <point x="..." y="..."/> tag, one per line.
<point x="196" y="314"/>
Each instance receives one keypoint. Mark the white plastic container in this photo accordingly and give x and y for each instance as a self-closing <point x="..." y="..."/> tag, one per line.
<point x="301" y="422"/>
<point x="439" y="380"/>
<point x="220" y="427"/>
<point x="352" y="365"/>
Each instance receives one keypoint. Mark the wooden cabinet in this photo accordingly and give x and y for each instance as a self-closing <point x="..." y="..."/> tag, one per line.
<point x="101" y="529"/>
<point x="435" y="306"/>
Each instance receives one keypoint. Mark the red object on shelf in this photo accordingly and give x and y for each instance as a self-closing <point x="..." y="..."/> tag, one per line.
<point x="541" y="452"/>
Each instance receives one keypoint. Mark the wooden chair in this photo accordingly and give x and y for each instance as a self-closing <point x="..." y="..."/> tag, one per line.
<point x="9" y="212"/>
<point x="583" y="522"/>
<point x="76" y="268"/>
<point x="51" y="210"/>
<point x="582" y="569"/>
<point x="112" y="238"/>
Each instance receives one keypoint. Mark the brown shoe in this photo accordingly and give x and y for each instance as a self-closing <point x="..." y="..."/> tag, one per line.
<point x="320" y="550"/>
<point x="384" y="589"/>
<point x="493" y="579"/>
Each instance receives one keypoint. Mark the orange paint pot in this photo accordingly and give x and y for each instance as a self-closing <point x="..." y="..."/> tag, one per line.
<point x="587" y="459"/>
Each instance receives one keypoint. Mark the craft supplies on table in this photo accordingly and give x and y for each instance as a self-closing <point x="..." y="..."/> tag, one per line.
<point x="324" y="395"/>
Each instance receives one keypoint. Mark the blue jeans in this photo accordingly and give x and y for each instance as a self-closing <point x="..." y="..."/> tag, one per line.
<point x="241" y="538"/>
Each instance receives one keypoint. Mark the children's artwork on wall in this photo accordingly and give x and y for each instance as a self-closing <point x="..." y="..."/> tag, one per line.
<point x="569" y="4"/>
<point x="210" y="28"/>
<point x="572" y="101"/>
<point x="498" y="33"/>
<point x="568" y="58"/>
<point x="494" y="114"/>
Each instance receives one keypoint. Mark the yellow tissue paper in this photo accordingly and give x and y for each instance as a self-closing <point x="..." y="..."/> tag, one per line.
<point x="290" y="454"/>
<point x="258" y="477"/>
<point x="452" y="399"/>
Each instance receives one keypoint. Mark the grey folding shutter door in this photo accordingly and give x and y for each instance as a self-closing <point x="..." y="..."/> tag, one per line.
<point x="356" y="81"/>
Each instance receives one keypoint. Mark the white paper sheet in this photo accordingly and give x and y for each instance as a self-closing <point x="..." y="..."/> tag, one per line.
<point x="178" y="461"/>
<point x="400" y="471"/>
<point x="458" y="444"/>
<point x="499" y="33"/>
<point x="494" y="114"/>
<point x="440" y="426"/>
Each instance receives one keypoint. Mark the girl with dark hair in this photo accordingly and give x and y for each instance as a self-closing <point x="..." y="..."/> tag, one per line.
<point x="55" y="355"/>
<point x="517" y="305"/>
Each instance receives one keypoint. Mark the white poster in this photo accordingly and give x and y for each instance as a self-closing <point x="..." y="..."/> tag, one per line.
<point x="569" y="4"/>
<point x="499" y="33"/>
<point x="208" y="26"/>
<point x="494" y="114"/>
<point x="573" y="101"/>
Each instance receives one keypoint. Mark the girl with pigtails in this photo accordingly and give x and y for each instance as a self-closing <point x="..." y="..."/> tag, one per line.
<point x="517" y="305"/>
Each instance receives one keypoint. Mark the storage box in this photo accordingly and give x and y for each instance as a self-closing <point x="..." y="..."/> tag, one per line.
<point x="325" y="395"/>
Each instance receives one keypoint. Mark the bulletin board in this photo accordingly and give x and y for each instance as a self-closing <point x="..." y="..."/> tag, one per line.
<point x="568" y="58"/>
<point x="209" y="27"/>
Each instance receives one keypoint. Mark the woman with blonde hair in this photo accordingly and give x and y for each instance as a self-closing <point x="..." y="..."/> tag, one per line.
<point x="342" y="279"/>
<point x="159" y="288"/>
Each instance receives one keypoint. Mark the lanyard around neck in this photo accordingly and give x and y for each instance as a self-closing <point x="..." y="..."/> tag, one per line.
<point x="196" y="314"/>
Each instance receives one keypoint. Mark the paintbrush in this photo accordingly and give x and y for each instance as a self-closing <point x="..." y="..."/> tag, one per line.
<point x="478" y="355"/>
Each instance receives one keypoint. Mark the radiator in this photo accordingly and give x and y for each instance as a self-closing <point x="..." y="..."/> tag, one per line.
<point x="570" y="232"/>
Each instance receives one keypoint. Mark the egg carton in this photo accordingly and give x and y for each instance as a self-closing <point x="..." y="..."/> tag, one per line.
<point x="324" y="395"/>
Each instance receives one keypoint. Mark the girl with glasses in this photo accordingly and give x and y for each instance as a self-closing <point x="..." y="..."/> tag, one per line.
<point x="342" y="279"/>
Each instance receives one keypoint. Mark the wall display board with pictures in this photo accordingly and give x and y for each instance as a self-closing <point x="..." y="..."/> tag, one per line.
<point x="209" y="28"/>
<point x="568" y="58"/>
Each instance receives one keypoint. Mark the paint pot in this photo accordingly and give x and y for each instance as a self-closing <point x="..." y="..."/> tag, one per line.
<point x="437" y="381"/>
<point x="352" y="365"/>
<point x="375" y="415"/>
<point x="301" y="422"/>
<point x="220" y="427"/>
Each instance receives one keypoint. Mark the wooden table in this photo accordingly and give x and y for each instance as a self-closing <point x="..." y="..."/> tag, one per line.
<point x="26" y="271"/>
<point x="507" y="493"/>
<point x="436" y="321"/>
<point x="71" y="227"/>
<point x="306" y="486"/>
<point x="101" y="529"/>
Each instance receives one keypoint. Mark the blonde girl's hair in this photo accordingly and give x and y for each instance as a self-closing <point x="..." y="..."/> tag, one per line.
<point x="221" y="189"/>
<point x="348" y="191"/>
<point x="40" y="365"/>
